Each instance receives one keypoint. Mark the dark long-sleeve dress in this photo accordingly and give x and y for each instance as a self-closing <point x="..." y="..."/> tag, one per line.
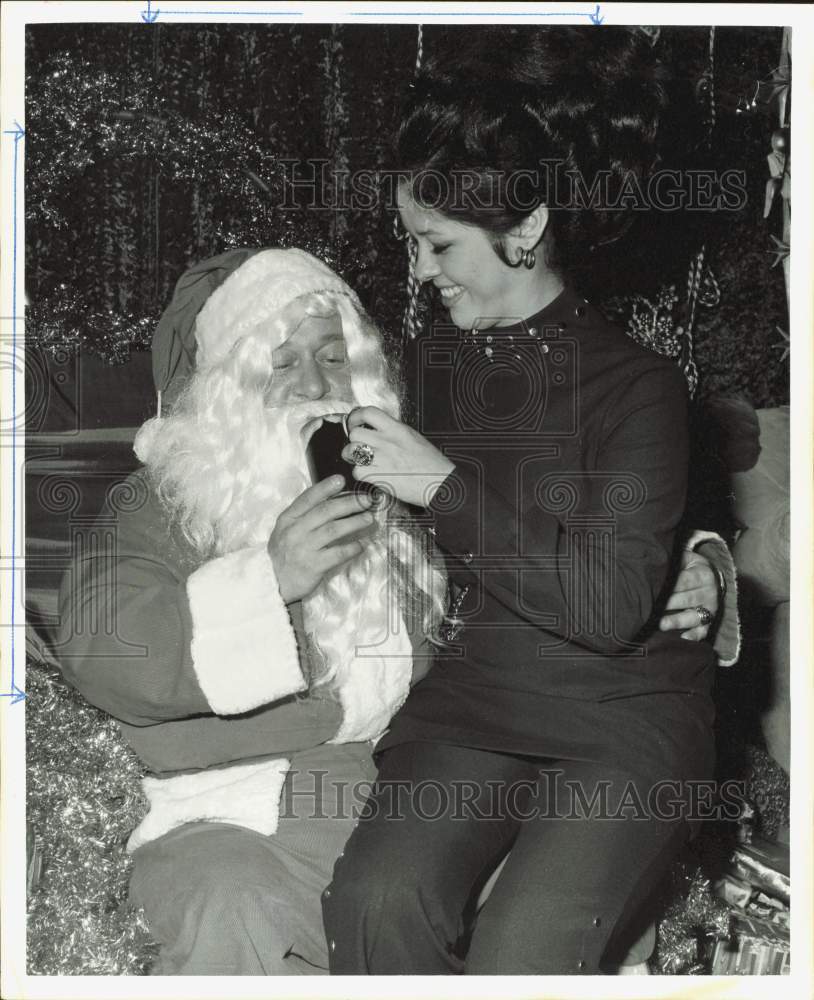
<point x="560" y="524"/>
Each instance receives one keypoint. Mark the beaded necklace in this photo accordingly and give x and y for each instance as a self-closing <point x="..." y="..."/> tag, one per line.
<point x="485" y="343"/>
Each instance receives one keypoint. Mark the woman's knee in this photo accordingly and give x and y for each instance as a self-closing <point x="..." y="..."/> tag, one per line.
<point x="389" y="890"/>
<point x="366" y="885"/>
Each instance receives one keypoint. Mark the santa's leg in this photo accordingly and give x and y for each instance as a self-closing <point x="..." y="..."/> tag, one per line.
<point x="223" y="900"/>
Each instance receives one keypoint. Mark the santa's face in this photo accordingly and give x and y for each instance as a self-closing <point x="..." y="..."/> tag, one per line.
<point x="312" y="365"/>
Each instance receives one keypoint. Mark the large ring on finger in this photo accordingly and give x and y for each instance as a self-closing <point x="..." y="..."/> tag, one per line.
<point x="705" y="616"/>
<point x="362" y="454"/>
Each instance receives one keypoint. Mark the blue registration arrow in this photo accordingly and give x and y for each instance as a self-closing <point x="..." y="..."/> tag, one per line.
<point x="14" y="692"/>
<point x="151" y="15"/>
<point x="593" y="16"/>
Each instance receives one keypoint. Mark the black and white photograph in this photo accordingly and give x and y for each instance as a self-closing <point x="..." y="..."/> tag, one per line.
<point x="400" y="463"/>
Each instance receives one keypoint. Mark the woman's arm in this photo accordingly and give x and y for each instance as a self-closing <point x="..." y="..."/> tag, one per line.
<point x="579" y="580"/>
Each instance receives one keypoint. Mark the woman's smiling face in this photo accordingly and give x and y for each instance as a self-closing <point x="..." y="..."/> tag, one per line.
<point x="475" y="285"/>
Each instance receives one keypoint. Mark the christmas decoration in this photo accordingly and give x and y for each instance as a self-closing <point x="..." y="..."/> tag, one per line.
<point x="780" y="250"/>
<point x="64" y="321"/>
<point x="83" y="801"/>
<point x="768" y="787"/>
<point x="692" y="922"/>
<point x="779" y="159"/>
<point x="91" y="142"/>
<point x="728" y="873"/>
<point x="416" y="310"/>
<point x="754" y="947"/>
<point x="144" y="159"/>
<point x="83" y="125"/>
<point x="764" y="866"/>
<point x="167" y="148"/>
<point x="783" y="345"/>
<point x="651" y="324"/>
<point x="756" y="886"/>
<point x="773" y="90"/>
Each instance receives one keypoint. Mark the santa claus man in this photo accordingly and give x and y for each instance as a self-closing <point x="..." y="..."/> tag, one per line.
<point x="279" y="619"/>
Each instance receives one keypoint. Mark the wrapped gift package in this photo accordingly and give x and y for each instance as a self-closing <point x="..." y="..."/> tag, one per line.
<point x="756" y="948"/>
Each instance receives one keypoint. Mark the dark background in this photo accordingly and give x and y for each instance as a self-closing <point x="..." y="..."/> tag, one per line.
<point x="151" y="147"/>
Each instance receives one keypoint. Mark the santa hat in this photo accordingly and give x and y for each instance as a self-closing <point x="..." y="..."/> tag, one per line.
<point x="255" y="296"/>
<point x="221" y="300"/>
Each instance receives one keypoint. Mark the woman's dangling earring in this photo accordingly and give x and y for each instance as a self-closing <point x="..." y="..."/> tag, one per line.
<point x="525" y="257"/>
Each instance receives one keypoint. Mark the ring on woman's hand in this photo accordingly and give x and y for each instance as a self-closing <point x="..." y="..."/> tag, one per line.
<point x="362" y="454"/>
<point x="705" y="616"/>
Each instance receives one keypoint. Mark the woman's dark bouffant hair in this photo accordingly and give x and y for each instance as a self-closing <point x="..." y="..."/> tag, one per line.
<point x="518" y="115"/>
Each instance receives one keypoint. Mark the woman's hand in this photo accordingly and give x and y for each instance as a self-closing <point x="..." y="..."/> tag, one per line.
<point x="307" y="540"/>
<point x="696" y="586"/>
<point x="403" y="461"/>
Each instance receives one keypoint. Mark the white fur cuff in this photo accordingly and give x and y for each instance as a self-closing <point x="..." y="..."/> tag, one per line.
<point x="244" y="649"/>
<point x="247" y="795"/>
<point x="727" y="642"/>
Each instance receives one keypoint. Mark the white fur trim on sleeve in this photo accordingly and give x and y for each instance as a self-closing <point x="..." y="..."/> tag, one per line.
<point x="698" y="537"/>
<point x="727" y="642"/>
<point x="375" y="687"/>
<point x="244" y="649"/>
<point x="245" y="795"/>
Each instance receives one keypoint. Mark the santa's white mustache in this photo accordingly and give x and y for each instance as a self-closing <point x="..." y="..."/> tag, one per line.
<point x="305" y="418"/>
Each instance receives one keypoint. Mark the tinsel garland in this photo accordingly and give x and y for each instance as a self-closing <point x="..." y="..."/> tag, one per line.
<point x="84" y="799"/>
<point x="86" y="128"/>
<point x="766" y="785"/>
<point x="336" y="119"/>
<point x="80" y="129"/>
<point x="65" y="322"/>
<point x="692" y="917"/>
<point x="76" y="117"/>
<point x="693" y="920"/>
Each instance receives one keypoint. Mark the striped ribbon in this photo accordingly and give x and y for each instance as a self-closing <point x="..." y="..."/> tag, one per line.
<point x="410" y="323"/>
<point x="693" y="285"/>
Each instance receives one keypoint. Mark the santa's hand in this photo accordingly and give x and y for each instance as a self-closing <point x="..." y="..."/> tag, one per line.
<point x="696" y="588"/>
<point x="312" y="536"/>
<point x="392" y="455"/>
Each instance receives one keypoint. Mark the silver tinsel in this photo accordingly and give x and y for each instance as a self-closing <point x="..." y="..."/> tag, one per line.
<point x="84" y="798"/>
<point x="693" y="921"/>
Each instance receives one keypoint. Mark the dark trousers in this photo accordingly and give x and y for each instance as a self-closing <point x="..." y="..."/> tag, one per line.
<point x="440" y="818"/>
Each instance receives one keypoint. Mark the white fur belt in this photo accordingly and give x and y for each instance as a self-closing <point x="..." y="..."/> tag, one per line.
<point x="245" y="795"/>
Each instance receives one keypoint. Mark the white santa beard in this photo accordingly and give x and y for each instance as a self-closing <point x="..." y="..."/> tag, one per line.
<point x="278" y="474"/>
<point x="229" y="488"/>
<point x="333" y="610"/>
